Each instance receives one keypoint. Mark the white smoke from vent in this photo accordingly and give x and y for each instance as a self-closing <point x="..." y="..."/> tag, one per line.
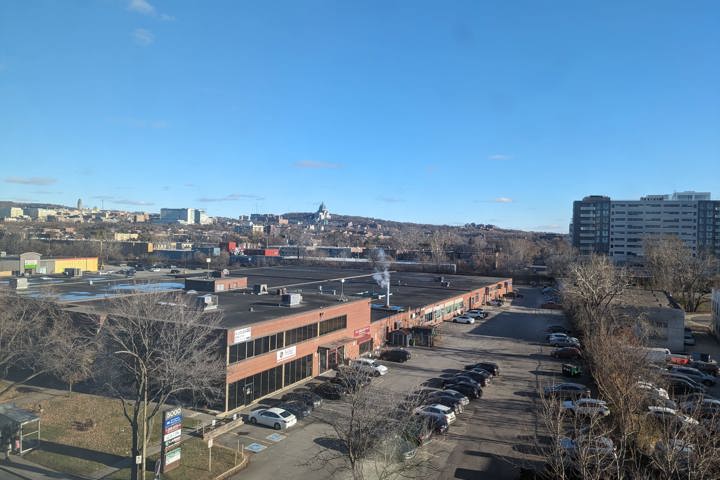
<point x="380" y="264"/>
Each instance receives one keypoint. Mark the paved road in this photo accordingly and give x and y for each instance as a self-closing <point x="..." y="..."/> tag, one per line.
<point x="490" y="440"/>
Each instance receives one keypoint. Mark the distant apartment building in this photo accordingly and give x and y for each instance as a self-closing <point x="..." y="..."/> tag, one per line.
<point x="37" y="213"/>
<point x="11" y="212"/>
<point x="201" y="218"/>
<point x="619" y="228"/>
<point x="177" y="215"/>
<point x="591" y="225"/>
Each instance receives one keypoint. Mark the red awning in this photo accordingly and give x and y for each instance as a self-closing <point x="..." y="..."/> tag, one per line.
<point x="363" y="339"/>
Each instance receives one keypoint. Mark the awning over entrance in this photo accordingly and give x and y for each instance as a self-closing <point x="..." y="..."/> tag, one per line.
<point x="337" y="343"/>
<point x="363" y="339"/>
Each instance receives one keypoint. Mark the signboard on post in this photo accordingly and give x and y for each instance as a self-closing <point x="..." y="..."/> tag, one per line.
<point x="170" y="452"/>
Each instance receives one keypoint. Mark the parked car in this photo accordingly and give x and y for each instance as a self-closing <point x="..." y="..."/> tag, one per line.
<point x="711" y="368"/>
<point x="350" y="383"/>
<point x="435" y="410"/>
<point x="174" y="270"/>
<point x="274" y="417"/>
<point x="496" y="303"/>
<point x="597" y="451"/>
<point x="477" y="313"/>
<point x="565" y="342"/>
<point x="554" y="336"/>
<point x="481" y="376"/>
<point x="558" y="329"/>
<point x="369" y="366"/>
<point x="566" y="352"/>
<point x="704" y="407"/>
<point x="652" y="389"/>
<point x="683" y="386"/>
<point x="694" y="374"/>
<point x="461" y="378"/>
<point x="309" y="398"/>
<point x="447" y="400"/>
<point x="419" y="430"/>
<point x="329" y="390"/>
<point x="587" y="407"/>
<point x="469" y="390"/>
<point x="464" y="319"/>
<point x="689" y="339"/>
<point x="457" y="395"/>
<point x="297" y="408"/>
<point x="567" y="391"/>
<point x="491" y="367"/>
<point x="395" y="355"/>
<point x="702" y="357"/>
<point x="670" y="417"/>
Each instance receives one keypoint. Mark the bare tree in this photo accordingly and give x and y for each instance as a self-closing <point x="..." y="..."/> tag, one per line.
<point x="156" y="347"/>
<point x="516" y="254"/>
<point x="590" y="288"/>
<point x="36" y="337"/>
<point x="675" y="269"/>
<point x="369" y="433"/>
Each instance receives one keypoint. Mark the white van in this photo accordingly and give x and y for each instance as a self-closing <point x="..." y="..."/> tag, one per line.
<point x="370" y="366"/>
<point x="657" y="355"/>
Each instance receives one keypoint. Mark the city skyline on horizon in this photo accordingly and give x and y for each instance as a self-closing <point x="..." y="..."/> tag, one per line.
<point x="412" y="111"/>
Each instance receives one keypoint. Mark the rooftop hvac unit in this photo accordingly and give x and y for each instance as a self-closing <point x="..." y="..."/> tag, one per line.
<point x="19" y="283"/>
<point x="207" y="302"/>
<point x="445" y="284"/>
<point x="260" y="289"/>
<point x="281" y="291"/>
<point x="291" y="300"/>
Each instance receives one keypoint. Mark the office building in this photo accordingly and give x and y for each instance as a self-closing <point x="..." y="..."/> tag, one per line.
<point x="619" y="228"/>
<point x="177" y="215"/>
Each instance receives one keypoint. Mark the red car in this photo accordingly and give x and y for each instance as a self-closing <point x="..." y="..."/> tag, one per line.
<point x="567" y="352"/>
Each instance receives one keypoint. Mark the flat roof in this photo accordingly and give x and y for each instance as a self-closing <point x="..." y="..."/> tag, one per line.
<point x="320" y="287"/>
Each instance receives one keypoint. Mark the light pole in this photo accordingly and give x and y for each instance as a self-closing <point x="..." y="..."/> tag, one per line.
<point x="342" y="289"/>
<point x="208" y="260"/>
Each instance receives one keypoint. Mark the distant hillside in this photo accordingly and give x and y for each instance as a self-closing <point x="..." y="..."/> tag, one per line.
<point x="4" y="203"/>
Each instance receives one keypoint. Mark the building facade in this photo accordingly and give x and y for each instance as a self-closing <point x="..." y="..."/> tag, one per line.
<point x="619" y="228"/>
<point x="177" y="215"/>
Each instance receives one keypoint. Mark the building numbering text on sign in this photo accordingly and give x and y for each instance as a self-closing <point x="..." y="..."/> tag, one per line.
<point x="170" y="451"/>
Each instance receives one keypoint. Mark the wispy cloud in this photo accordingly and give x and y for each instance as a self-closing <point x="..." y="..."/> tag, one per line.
<point x="233" y="197"/>
<point x="46" y="192"/>
<point x="310" y="164"/>
<point x="144" y="7"/>
<point x="31" y="180"/>
<point x="499" y="157"/>
<point x="503" y="200"/>
<point x="390" y="199"/>
<point x="141" y="6"/>
<point x="142" y="37"/>
<point x="125" y="201"/>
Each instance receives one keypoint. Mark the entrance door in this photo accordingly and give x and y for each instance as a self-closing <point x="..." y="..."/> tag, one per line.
<point x="323" y="354"/>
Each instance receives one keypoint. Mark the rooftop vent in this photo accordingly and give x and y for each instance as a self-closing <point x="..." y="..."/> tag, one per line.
<point x="445" y="284"/>
<point x="260" y="289"/>
<point x="281" y="291"/>
<point x="207" y="302"/>
<point x="291" y="300"/>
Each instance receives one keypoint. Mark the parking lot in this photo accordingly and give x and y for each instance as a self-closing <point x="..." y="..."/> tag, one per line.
<point x="492" y="438"/>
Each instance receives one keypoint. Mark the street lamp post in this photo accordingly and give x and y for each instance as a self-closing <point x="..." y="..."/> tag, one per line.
<point x="208" y="260"/>
<point x="342" y="289"/>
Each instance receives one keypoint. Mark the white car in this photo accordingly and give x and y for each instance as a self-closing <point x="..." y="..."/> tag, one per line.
<point x="652" y="389"/>
<point x="463" y="319"/>
<point x="565" y="342"/>
<point x="669" y="416"/>
<point x="587" y="406"/>
<point x="599" y="449"/>
<point x="476" y="313"/>
<point x="277" y="418"/>
<point x="554" y="336"/>
<point x="369" y="366"/>
<point x="437" y="410"/>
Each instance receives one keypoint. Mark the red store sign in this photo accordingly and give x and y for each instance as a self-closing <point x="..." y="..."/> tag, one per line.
<point x="361" y="332"/>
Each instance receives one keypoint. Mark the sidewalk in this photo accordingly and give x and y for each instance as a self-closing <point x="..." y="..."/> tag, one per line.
<point x="19" y="468"/>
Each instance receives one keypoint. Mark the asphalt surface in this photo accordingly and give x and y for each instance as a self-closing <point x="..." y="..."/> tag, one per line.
<point x="492" y="439"/>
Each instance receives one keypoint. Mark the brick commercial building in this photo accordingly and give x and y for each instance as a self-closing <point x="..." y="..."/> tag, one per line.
<point x="283" y="325"/>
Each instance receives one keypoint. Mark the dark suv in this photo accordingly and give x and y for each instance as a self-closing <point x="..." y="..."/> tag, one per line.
<point x="395" y="355"/>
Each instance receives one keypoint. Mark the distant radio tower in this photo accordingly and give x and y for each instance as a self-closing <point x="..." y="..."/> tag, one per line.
<point x="79" y="204"/>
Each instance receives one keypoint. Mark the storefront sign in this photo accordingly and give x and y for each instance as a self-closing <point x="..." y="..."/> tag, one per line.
<point x="171" y="457"/>
<point x="285" y="353"/>
<point x="242" y="335"/>
<point x="172" y="436"/>
<point x="361" y="332"/>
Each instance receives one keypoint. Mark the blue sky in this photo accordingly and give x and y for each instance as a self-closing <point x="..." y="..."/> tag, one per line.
<point x="443" y="112"/>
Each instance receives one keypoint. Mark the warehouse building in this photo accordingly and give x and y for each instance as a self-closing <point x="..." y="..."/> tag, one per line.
<point x="284" y="325"/>
<point x="31" y="263"/>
